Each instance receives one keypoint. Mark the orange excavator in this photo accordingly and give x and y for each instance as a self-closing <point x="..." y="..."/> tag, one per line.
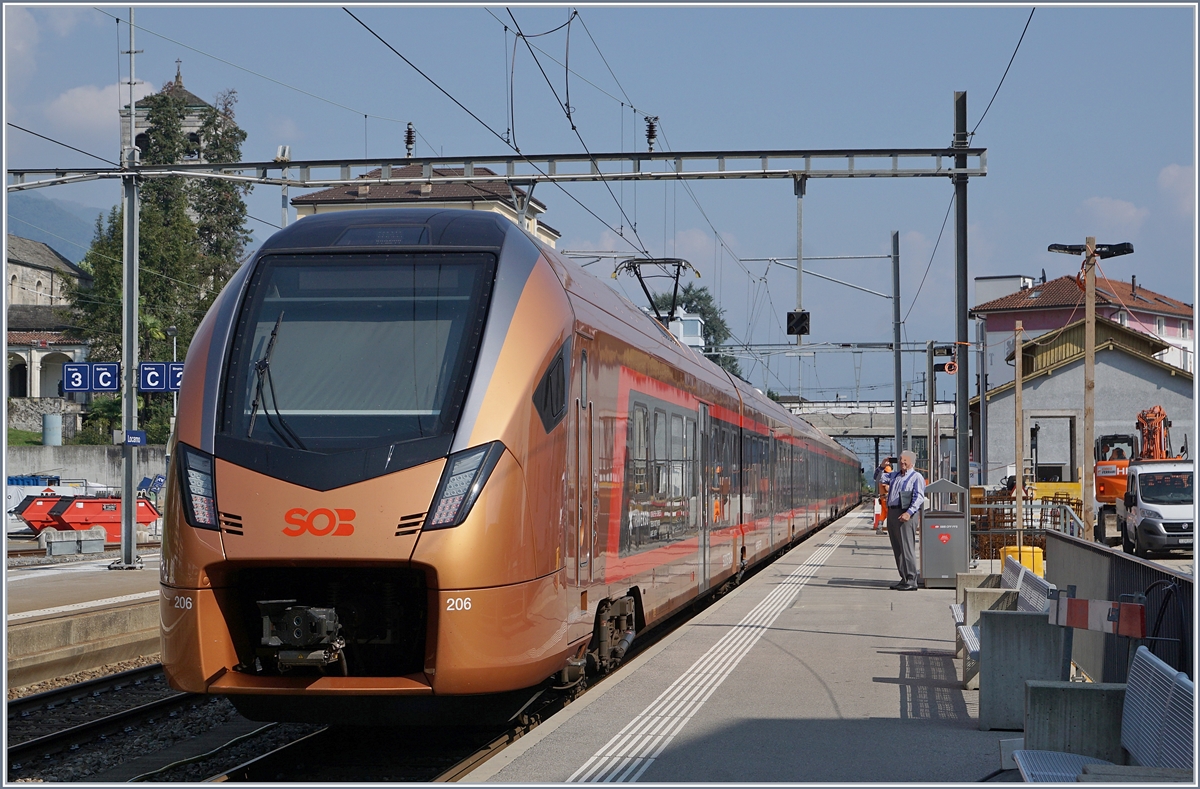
<point x="1113" y="453"/>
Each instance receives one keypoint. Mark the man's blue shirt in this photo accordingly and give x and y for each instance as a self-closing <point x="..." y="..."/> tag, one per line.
<point x="897" y="481"/>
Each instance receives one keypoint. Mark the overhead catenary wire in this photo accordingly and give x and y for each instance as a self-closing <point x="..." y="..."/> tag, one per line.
<point x="576" y="200"/>
<point x="1006" y="68"/>
<point x="574" y="127"/>
<point x="63" y="144"/>
<point x="260" y="75"/>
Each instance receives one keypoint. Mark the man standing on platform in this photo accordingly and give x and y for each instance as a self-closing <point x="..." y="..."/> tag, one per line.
<point x="906" y="494"/>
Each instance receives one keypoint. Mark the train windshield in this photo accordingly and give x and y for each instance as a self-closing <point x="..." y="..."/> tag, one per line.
<point x="340" y="352"/>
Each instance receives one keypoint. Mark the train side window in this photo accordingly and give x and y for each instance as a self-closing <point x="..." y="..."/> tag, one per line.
<point x="689" y="456"/>
<point x="676" y="437"/>
<point x="637" y="433"/>
<point x="550" y="395"/>
<point x="660" y="452"/>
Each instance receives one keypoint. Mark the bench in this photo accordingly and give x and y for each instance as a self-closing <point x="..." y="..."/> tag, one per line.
<point x="976" y="591"/>
<point x="1020" y="590"/>
<point x="1156" y="728"/>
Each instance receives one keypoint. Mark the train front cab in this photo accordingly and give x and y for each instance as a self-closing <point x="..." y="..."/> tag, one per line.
<point x="303" y="562"/>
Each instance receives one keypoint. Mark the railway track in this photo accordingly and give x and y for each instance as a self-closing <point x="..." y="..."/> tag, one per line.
<point x="334" y="754"/>
<point x="63" y="719"/>
<point x="14" y="553"/>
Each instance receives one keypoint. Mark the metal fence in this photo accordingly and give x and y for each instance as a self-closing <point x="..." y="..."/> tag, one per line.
<point x="1098" y="572"/>
<point x="994" y="525"/>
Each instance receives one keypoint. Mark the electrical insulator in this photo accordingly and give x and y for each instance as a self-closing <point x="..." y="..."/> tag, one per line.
<point x="651" y="131"/>
<point x="410" y="139"/>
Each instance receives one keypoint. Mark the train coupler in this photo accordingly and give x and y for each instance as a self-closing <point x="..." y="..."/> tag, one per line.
<point x="301" y="635"/>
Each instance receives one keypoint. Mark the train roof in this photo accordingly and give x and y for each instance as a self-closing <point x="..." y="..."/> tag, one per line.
<point x="376" y="227"/>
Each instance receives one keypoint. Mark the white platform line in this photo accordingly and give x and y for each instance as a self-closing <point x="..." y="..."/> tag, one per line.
<point x="623" y="759"/>
<point x="63" y="609"/>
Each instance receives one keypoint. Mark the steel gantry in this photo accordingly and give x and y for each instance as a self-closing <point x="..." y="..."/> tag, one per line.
<point x="957" y="163"/>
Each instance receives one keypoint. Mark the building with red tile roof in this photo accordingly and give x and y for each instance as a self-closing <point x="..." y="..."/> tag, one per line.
<point x="1050" y="305"/>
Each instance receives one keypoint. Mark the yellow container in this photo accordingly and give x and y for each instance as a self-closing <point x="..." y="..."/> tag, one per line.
<point x="1030" y="556"/>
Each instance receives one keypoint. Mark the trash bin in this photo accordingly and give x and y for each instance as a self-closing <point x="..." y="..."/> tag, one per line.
<point x="945" y="534"/>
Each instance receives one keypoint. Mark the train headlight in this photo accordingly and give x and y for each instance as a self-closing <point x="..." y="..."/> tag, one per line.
<point x="199" y="487"/>
<point x="465" y="474"/>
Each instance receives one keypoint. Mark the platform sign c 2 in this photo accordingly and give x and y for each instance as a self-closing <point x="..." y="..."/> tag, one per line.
<point x="157" y="484"/>
<point x="77" y="377"/>
<point x="106" y="377"/>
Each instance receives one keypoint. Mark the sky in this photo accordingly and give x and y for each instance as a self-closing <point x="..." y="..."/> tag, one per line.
<point x="1092" y="132"/>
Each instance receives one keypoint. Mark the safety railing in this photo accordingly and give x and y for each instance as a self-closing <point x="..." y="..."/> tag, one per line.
<point x="995" y="525"/>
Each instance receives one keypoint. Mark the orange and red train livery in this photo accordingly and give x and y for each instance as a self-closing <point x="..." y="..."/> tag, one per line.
<point x="426" y="468"/>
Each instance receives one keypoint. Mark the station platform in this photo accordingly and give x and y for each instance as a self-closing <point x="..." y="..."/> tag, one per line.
<point x="813" y="670"/>
<point x="66" y="617"/>
<point x="44" y="590"/>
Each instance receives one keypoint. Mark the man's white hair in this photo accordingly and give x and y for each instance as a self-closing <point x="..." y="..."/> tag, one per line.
<point x="908" y="453"/>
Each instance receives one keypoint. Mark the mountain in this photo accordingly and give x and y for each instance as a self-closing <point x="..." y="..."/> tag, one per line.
<point x="66" y="226"/>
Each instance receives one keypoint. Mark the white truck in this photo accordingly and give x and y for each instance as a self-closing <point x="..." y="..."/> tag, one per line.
<point x="1157" y="512"/>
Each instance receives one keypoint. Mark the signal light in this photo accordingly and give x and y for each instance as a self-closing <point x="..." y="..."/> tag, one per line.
<point x="798" y="322"/>
<point x="199" y="488"/>
<point x="949" y="368"/>
<point x="464" y="477"/>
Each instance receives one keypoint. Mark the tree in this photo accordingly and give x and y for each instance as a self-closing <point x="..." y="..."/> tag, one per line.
<point x="219" y="208"/>
<point x="191" y="238"/>
<point x="698" y="301"/>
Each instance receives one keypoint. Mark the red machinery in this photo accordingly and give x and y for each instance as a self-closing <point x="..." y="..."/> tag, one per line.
<point x="80" y="513"/>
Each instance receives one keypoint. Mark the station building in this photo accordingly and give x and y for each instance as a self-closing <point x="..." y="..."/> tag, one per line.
<point x="1130" y="377"/>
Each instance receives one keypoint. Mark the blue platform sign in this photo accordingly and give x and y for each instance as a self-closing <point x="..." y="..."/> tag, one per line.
<point x="135" y="438"/>
<point x="106" y="377"/>
<point x="157" y="484"/>
<point x="77" y="377"/>
<point x="174" y="376"/>
<point x="152" y="377"/>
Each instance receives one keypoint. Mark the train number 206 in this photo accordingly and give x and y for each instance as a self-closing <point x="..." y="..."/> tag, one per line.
<point x="183" y="602"/>
<point x="458" y="604"/>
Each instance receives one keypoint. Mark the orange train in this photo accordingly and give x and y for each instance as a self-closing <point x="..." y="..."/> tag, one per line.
<point x="425" y="468"/>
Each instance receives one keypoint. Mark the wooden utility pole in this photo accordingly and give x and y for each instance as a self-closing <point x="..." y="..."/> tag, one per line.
<point x="1089" y="384"/>
<point x="1019" y="428"/>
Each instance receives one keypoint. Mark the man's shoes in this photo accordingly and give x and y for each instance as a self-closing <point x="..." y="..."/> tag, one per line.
<point x="907" y="588"/>
<point x="897" y="585"/>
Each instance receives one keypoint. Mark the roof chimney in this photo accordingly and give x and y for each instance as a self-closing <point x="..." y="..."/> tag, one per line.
<point x="1133" y="287"/>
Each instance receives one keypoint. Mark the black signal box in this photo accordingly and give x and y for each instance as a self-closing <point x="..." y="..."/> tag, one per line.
<point x="797" y="322"/>
<point x="943" y="350"/>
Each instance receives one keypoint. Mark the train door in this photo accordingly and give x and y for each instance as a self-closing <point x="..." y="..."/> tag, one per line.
<point x="585" y="481"/>
<point x="703" y="490"/>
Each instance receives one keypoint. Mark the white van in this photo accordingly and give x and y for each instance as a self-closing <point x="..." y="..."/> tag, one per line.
<point x="1157" y="513"/>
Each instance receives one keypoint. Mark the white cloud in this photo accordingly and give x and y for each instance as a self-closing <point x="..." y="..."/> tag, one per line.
<point x="1179" y="182"/>
<point x="91" y="110"/>
<point x="63" y="20"/>
<point x="20" y="41"/>
<point x="286" y="131"/>
<point x="1114" y="216"/>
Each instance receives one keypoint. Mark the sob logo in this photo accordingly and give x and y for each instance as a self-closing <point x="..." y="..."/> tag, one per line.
<point x="319" y="522"/>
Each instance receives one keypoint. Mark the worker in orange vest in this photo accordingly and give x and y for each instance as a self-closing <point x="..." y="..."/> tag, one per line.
<point x="880" y="524"/>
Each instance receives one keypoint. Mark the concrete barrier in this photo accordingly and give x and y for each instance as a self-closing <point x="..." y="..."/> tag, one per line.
<point x="1083" y="718"/>
<point x="61" y="645"/>
<point x="1015" y="646"/>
